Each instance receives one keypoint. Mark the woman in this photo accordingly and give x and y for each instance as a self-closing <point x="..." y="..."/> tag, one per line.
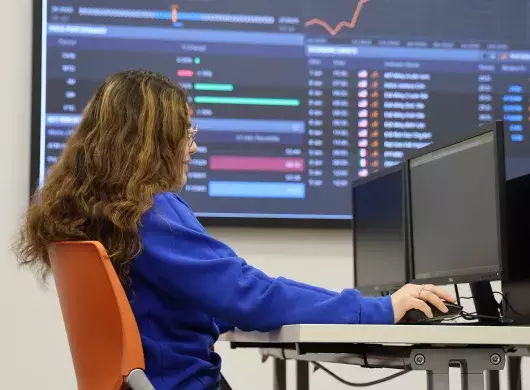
<point x="117" y="183"/>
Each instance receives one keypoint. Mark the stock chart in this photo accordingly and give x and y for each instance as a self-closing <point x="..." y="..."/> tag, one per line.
<point x="295" y="99"/>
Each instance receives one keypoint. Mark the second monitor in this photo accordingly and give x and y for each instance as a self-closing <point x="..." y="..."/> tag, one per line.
<point x="457" y="210"/>
<point x="380" y="231"/>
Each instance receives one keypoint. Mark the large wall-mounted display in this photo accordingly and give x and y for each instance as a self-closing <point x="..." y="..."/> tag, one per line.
<point x="294" y="99"/>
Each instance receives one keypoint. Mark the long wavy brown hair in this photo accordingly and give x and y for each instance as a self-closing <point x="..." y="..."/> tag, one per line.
<point x="129" y="145"/>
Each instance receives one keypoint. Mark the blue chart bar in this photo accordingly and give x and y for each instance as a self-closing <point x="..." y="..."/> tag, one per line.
<point x="249" y="138"/>
<point x="182" y="16"/>
<point x="171" y="34"/>
<point x="62" y="120"/>
<point x="168" y="15"/>
<point x="251" y="125"/>
<point x="239" y="189"/>
<point x="394" y="52"/>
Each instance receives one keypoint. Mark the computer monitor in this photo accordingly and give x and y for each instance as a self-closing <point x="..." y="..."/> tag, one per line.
<point x="380" y="241"/>
<point x="457" y="210"/>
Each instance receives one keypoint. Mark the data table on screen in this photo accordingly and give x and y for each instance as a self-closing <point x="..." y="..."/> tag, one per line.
<point x="296" y="99"/>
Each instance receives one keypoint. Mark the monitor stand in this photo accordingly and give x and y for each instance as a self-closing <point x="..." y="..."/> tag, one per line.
<point x="485" y="303"/>
<point x="517" y="293"/>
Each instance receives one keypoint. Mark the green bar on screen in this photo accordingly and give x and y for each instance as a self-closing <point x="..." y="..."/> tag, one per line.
<point x="213" y="87"/>
<point x="246" y="100"/>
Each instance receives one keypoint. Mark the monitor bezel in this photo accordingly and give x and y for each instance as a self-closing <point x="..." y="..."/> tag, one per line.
<point x="387" y="288"/>
<point x="36" y="88"/>
<point x="235" y="221"/>
<point x="469" y="276"/>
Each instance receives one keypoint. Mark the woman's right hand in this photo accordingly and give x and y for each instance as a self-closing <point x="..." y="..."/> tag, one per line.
<point x="412" y="296"/>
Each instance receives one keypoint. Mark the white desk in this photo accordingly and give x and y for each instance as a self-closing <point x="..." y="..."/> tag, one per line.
<point x="431" y="348"/>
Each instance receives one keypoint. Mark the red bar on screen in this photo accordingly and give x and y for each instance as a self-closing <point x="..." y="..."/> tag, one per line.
<point x="185" y="73"/>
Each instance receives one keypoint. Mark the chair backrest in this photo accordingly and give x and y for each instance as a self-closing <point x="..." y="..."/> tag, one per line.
<point x="102" y="332"/>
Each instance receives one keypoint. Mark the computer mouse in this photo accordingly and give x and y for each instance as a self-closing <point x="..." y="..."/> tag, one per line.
<point x="415" y="315"/>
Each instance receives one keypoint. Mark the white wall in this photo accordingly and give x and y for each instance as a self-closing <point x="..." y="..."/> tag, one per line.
<point x="33" y="351"/>
<point x="33" y="348"/>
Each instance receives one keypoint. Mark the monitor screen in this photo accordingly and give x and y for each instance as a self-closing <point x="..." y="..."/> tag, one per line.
<point x="379" y="238"/>
<point x="294" y="99"/>
<point x="455" y="211"/>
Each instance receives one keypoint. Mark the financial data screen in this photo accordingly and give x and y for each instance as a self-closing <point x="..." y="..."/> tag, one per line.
<point x="294" y="99"/>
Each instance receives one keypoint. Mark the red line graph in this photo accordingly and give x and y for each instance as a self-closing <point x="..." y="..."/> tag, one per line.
<point x="343" y="24"/>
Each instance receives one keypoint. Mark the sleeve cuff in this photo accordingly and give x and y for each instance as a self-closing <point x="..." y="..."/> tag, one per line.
<point x="377" y="311"/>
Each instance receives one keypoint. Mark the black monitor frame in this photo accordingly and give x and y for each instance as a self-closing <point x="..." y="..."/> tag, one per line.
<point x="497" y="129"/>
<point x="384" y="289"/>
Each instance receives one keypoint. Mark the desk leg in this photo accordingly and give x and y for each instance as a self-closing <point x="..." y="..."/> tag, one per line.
<point x="279" y="375"/>
<point x="302" y="375"/>
<point x="514" y="373"/>
<point x="437" y="381"/>
<point x="472" y="381"/>
<point x="473" y="378"/>
<point x="493" y="381"/>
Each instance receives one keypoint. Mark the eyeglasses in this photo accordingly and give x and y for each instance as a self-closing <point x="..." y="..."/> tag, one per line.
<point x="192" y="133"/>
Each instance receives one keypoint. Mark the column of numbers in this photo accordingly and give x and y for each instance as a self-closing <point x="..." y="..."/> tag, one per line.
<point x="69" y="69"/>
<point x="315" y="128"/>
<point x="340" y="124"/>
<point x="485" y="98"/>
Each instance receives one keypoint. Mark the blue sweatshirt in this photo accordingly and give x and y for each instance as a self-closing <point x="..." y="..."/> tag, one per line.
<point x="187" y="288"/>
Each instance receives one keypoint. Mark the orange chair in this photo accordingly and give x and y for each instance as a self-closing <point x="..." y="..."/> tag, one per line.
<point x="102" y="332"/>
